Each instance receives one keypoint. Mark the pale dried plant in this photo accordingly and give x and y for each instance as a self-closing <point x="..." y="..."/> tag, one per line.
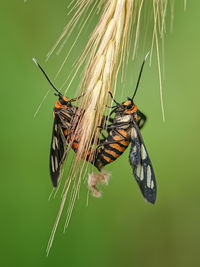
<point x="107" y="47"/>
<point x="107" y="43"/>
<point x="107" y="50"/>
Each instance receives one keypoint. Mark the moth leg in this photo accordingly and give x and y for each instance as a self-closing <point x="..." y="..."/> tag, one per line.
<point x="76" y="98"/>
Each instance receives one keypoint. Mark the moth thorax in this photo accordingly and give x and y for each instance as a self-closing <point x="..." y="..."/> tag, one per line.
<point x="58" y="104"/>
<point x="123" y="118"/>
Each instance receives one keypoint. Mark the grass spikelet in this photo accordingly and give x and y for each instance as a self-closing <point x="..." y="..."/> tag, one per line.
<point x="106" y="51"/>
<point x="108" y="43"/>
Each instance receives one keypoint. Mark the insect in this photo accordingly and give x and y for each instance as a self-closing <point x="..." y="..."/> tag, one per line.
<point x="123" y="130"/>
<point x="66" y="117"/>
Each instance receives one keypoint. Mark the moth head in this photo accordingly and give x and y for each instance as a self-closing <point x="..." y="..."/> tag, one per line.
<point x="129" y="107"/>
<point x="62" y="101"/>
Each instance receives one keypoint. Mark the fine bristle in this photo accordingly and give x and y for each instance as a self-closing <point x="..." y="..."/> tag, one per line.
<point x="35" y="61"/>
<point x="146" y="56"/>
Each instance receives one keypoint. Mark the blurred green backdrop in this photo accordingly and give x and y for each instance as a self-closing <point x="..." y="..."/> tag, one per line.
<point x="119" y="229"/>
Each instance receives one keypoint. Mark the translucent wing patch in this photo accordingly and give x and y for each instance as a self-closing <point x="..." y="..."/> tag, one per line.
<point x="141" y="165"/>
<point x="141" y="119"/>
<point x="58" y="151"/>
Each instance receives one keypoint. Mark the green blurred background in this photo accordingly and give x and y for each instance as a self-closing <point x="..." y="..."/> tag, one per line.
<point x="119" y="229"/>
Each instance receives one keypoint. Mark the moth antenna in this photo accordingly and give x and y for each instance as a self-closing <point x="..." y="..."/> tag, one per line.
<point x="113" y="98"/>
<point x="35" y="61"/>
<point x="138" y="81"/>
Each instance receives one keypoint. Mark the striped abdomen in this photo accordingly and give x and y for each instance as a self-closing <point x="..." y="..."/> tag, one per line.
<point x="69" y="121"/>
<point x="114" y="145"/>
<point x="73" y="140"/>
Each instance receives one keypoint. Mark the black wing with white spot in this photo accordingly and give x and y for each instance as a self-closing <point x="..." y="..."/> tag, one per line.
<point x="58" y="151"/>
<point x="141" y="119"/>
<point x="141" y="165"/>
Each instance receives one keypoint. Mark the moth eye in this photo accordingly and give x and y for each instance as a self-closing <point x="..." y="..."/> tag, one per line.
<point x="129" y="106"/>
<point x="63" y="101"/>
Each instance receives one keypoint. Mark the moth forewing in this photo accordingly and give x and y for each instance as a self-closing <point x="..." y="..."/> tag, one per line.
<point x="141" y="165"/>
<point x="57" y="151"/>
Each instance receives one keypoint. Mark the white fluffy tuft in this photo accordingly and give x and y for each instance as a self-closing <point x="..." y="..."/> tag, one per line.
<point x="97" y="178"/>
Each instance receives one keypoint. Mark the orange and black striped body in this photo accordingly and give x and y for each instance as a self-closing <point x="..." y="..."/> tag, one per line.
<point x="70" y="117"/>
<point x="65" y="111"/>
<point x="123" y="130"/>
<point x="70" y="121"/>
<point x="72" y="127"/>
<point x="65" y="121"/>
<point x="119" y="135"/>
<point x="115" y="144"/>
